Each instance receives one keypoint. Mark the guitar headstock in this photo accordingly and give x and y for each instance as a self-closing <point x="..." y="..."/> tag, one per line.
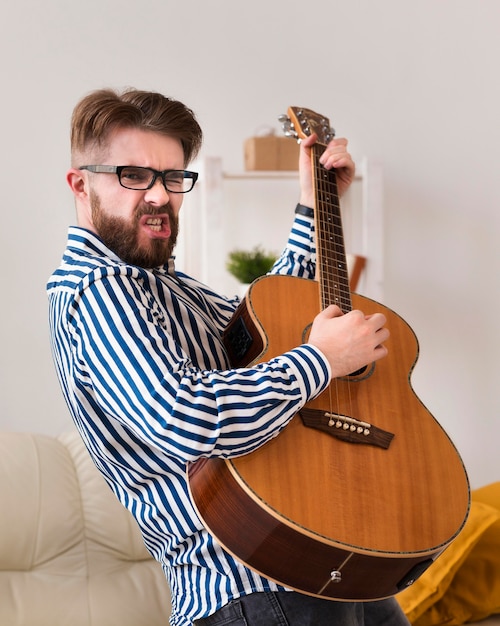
<point x="301" y="123"/>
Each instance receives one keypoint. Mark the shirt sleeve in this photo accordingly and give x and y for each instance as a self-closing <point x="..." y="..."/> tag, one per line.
<point x="299" y="256"/>
<point x="131" y="367"/>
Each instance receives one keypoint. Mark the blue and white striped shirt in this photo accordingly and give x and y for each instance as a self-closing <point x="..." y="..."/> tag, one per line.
<point x="147" y="380"/>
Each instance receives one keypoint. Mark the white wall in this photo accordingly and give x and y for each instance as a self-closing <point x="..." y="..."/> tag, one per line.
<point x="413" y="84"/>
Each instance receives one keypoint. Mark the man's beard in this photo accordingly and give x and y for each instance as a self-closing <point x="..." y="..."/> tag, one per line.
<point x="121" y="235"/>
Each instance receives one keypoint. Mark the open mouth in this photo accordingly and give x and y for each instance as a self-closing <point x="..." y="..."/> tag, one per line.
<point x="158" y="226"/>
<point x="155" y="223"/>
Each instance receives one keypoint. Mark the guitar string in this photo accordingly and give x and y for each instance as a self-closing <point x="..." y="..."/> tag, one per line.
<point x="327" y="289"/>
<point x="333" y="275"/>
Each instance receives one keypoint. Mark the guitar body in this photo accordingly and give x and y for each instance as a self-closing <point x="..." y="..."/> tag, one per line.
<point x="320" y="513"/>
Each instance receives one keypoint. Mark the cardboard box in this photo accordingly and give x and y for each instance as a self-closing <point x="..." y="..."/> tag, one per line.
<point x="271" y="153"/>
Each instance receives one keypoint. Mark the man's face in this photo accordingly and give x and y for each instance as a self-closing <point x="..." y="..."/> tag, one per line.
<point x="141" y="227"/>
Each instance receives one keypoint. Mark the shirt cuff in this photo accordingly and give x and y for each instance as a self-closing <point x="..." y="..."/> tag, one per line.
<point x="312" y="369"/>
<point x="300" y="209"/>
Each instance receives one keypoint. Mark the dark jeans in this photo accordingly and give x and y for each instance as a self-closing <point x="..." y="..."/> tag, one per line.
<point x="287" y="608"/>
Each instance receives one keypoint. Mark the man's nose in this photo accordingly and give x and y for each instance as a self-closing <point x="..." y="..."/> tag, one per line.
<point x="158" y="192"/>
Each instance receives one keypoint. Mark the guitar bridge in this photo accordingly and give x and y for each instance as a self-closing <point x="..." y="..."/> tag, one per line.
<point x="347" y="428"/>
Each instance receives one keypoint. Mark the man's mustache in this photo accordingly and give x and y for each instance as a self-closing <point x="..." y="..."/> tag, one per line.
<point x="166" y="208"/>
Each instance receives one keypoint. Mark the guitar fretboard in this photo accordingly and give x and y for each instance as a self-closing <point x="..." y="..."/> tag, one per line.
<point x="331" y="263"/>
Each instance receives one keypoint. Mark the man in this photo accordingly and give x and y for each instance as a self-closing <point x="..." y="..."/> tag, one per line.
<point x="138" y="352"/>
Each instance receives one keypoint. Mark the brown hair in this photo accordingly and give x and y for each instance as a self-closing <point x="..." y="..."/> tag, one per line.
<point x="104" y="110"/>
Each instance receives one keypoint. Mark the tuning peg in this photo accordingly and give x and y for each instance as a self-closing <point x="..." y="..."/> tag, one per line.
<point x="288" y="127"/>
<point x="290" y="132"/>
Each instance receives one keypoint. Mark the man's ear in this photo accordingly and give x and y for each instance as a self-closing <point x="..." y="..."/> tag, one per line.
<point x="78" y="182"/>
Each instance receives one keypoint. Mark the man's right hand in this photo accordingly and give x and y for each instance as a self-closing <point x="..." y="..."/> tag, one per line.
<point x="349" y="341"/>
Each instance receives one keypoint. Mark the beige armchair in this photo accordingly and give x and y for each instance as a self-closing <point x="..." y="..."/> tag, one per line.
<point x="70" y="554"/>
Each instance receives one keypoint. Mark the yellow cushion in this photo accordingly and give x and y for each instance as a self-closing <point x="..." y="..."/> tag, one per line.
<point x="464" y="582"/>
<point x="488" y="495"/>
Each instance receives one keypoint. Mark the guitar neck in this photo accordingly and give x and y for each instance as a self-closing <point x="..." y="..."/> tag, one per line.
<point x="331" y="263"/>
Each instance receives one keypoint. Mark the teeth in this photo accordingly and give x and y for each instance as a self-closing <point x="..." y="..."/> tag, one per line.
<point x="155" y="223"/>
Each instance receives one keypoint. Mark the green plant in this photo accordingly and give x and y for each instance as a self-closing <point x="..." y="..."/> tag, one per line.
<point x="247" y="265"/>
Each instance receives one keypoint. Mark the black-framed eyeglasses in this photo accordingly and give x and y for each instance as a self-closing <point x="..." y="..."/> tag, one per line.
<point x="142" y="178"/>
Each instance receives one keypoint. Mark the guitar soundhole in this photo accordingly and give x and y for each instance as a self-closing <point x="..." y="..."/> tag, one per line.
<point x="362" y="370"/>
<point x="239" y="339"/>
<point x="359" y="375"/>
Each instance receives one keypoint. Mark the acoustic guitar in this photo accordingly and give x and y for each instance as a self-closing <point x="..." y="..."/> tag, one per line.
<point x="363" y="489"/>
